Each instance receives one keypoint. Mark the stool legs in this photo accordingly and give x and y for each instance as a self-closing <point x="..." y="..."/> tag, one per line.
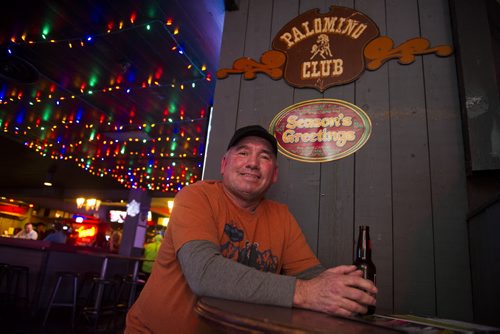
<point x="75" y="298"/>
<point x="60" y="277"/>
<point x="14" y="288"/>
<point x="51" y="302"/>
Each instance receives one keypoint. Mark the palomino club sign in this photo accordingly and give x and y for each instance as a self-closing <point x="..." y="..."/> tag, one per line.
<point x="325" y="50"/>
<point x="320" y="130"/>
<point x="322" y="50"/>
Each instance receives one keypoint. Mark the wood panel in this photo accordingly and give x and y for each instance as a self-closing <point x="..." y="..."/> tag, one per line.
<point x="226" y="98"/>
<point x="305" y="175"/>
<point x="252" y="107"/>
<point x="447" y="168"/>
<point x="414" y="284"/>
<point x="373" y="201"/>
<point x="336" y="193"/>
<point x="280" y="95"/>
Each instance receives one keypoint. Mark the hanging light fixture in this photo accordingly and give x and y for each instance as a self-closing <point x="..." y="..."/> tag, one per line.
<point x="89" y="203"/>
<point x="49" y="178"/>
<point x="80" y="201"/>
<point x="48" y="182"/>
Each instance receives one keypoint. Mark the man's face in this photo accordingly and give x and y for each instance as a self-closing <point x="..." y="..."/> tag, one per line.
<point x="248" y="169"/>
<point x="28" y="228"/>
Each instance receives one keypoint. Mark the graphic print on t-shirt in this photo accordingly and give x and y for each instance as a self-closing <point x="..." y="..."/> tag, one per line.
<point x="247" y="253"/>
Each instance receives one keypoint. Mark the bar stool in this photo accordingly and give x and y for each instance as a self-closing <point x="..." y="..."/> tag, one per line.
<point x="130" y="289"/>
<point x="60" y="276"/>
<point x="86" y="287"/>
<point x="4" y="281"/>
<point x="16" y="275"/>
<point x="4" y="276"/>
<point x="96" y="305"/>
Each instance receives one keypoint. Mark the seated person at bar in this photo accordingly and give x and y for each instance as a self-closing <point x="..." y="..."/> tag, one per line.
<point x="115" y="240"/>
<point x="150" y="253"/>
<point x="226" y="240"/>
<point x="41" y="230"/>
<point x="100" y="240"/>
<point x="58" y="236"/>
<point x="27" y="233"/>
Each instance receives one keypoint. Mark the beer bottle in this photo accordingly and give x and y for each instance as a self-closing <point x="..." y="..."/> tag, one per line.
<point x="364" y="258"/>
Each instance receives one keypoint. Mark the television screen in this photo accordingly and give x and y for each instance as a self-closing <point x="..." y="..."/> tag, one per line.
<point x="117" y="216"/>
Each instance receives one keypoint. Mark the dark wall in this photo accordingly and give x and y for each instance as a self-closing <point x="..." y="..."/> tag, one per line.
<point x="484" y="229"/>
<point x="407" y="182"/>
<point x="477" y="52"/>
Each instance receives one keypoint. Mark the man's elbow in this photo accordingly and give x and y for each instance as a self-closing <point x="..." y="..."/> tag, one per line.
<point x="198" y="287"/>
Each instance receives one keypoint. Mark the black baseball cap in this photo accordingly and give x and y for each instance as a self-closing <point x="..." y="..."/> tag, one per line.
<point x="253" y="130"/>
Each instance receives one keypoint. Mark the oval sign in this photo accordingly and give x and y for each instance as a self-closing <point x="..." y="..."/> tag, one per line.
<point x="320" y="130"/>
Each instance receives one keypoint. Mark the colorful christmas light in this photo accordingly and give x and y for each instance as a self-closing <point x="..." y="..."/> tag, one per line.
<point x="161" y="155"/>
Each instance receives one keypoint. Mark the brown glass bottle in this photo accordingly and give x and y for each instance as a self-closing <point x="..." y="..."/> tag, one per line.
<point x="364" y="258"/>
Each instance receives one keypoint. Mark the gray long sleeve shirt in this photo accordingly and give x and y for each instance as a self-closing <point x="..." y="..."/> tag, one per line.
<point x="208" y="273"/>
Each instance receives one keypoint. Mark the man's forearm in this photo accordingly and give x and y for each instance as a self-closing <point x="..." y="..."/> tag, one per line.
<point x="208" y="273"/>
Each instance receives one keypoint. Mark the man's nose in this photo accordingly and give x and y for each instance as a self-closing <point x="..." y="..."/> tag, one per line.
<point x="252" y="161"/>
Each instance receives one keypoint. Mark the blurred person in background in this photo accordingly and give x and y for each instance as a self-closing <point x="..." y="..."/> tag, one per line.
<point x="41" y="229"/>
<point x="58" y="236"/>
<point x="150" y="252"/>
<point x="27" y="233"/>
<point x="100" y="240"/>
<point x="115" y="241"/>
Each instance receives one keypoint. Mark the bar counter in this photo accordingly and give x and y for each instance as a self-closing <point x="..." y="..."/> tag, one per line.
<point x="44" y="259"/>
<point x="225" y="316"/>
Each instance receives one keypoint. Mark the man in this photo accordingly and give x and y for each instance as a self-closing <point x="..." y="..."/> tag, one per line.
<point x="150" y="253"/>
<point x="226" y="240"/>
<point x="27" y="233"/>
<point x="58" y="236"/>
<point x="41" y="229"/>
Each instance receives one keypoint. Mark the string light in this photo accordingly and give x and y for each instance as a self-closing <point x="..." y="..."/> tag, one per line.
<point x="166" y="159"/>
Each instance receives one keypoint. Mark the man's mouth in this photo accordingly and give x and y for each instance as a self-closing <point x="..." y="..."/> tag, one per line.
<point x="250" y="176"/>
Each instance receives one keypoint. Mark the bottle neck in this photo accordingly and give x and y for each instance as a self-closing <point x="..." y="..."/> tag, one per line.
<point x="364" y="249"/>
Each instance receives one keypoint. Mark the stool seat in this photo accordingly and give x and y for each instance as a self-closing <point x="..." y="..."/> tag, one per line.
<point x="60" y="276"/>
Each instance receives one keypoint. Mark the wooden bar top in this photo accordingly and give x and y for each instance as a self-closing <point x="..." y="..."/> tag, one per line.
<point x="238" y="317"/>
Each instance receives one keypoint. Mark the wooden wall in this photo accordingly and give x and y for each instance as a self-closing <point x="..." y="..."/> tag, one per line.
<point x="407" y="182"/>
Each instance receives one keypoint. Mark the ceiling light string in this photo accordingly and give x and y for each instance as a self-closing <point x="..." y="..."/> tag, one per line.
<point x="88" y="39"/>
<point x="97" y="151"/>
<point x="104" y="90"/>
<point x="89" y="163"/>
<point x="154" y="171"/>
<point x="138" y="176"/>
<point x="38" y="127"/>
<point x="181" y="50"/>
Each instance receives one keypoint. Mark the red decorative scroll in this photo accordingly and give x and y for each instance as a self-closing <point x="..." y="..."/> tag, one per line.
<point x="381" y="49"/>
<point x="271" y="63"/>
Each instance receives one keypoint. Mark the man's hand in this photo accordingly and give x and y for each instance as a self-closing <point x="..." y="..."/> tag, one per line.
<point x="339" y="291"/>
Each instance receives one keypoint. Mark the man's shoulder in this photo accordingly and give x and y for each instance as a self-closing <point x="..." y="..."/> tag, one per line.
<point x="275" y="205"/>
<point x="201" y="186"/>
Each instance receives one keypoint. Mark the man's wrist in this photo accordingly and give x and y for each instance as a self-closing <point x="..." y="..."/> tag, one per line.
<point x="299" y="293"/>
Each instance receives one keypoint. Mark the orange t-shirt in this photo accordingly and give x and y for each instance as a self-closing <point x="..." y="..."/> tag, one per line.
<point x="268" y="239"/>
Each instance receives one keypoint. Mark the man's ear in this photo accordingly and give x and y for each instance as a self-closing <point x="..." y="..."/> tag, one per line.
<point x="223" y="163"/>
<point x="275" y="174"/>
